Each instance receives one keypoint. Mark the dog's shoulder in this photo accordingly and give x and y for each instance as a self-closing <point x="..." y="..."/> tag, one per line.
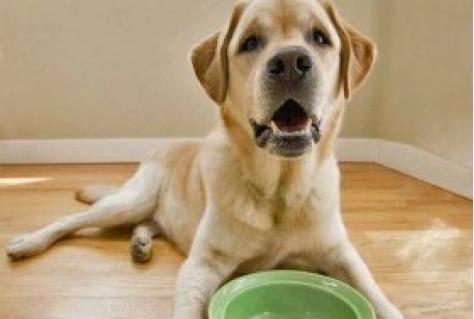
<point x="173" y="150"/>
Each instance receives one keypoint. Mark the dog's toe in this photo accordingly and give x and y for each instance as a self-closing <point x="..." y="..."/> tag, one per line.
<point x="22" y="246"/>
<point x="141" y="249"/>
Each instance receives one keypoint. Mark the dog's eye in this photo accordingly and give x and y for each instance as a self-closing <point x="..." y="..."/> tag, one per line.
<point x="319" y="38"/>
<point x="250" y="44"/>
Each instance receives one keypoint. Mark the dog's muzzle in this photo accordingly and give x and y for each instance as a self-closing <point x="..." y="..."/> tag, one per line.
<point x="290" y="127"/>
<point x="291" y="130"/>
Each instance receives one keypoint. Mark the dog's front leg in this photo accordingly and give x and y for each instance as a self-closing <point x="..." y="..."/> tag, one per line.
<point x="198" y="279"/>
<point x="344" y="263"/>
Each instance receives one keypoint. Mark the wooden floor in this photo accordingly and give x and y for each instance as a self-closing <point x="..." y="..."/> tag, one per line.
<point x="416" y="238"/>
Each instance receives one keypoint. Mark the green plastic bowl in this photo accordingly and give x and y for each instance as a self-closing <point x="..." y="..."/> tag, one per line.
<point x="288" y="294"/>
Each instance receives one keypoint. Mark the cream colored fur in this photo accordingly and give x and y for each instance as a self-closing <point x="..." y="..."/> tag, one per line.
<point x="227" y="204"/>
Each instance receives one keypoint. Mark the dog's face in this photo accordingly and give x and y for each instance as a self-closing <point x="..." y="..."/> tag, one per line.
<point x="279" y="67"/>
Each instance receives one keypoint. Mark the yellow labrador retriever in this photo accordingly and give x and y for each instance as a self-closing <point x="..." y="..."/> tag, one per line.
<point x="262" y="190"/>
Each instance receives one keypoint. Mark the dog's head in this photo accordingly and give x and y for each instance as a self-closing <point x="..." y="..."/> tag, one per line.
<point x="278" y="67"/>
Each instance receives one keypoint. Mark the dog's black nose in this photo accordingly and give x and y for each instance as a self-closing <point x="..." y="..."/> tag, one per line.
<point x="290" y="64"/>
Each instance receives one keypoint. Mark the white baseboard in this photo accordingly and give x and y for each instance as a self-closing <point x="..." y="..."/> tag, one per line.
<point x="401" y="157"/>
<point x="78" y="150"/>
<point x="411" y="161"/>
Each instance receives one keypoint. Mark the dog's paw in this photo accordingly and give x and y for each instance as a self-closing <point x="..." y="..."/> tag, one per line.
<point x="141" y="249"/>
<point x="24" y="246"/>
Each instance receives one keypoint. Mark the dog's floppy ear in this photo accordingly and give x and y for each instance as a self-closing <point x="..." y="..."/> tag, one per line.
<point x="358" y="54"/>
<point x="210" y="59"/>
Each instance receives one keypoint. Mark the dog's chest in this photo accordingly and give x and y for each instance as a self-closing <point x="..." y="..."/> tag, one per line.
<point x="281" y="244"/>
<point x="298" y="235"/>
<point x="276" y="256"/>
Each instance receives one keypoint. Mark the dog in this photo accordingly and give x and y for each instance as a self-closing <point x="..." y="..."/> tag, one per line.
<point x="262" y="189"/>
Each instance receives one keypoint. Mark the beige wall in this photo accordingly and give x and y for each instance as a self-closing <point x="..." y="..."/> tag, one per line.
<point x="118" y="68"/>
<point x="426" y="94"/>
<point x="360" y="120"/>
<point x="95" y="69"/>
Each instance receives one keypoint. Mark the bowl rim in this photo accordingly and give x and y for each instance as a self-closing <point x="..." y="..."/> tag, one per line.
<point x="221" y="300"/>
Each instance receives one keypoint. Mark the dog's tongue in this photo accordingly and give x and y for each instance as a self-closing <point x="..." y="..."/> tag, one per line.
<point x="291" y="117"/>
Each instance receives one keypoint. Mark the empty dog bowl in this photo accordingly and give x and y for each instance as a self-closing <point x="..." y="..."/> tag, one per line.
<point x="287" y="294"/>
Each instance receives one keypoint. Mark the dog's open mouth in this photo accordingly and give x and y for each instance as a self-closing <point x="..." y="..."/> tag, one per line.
<point x="290" y="118"/>
<point x="290" y="128"/>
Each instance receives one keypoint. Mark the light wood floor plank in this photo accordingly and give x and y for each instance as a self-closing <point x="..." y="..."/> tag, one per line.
<point x="416" y="238"/>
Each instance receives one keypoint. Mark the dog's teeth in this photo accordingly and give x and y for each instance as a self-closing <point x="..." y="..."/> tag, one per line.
<point x="274" y="127"/>
<point x="308" y="126"/>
